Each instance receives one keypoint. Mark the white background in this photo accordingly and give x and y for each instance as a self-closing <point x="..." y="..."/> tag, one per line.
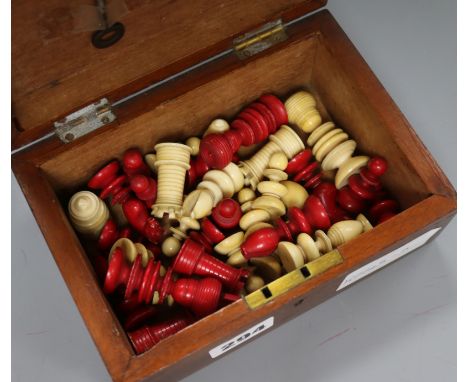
<point x="397" y="325"/>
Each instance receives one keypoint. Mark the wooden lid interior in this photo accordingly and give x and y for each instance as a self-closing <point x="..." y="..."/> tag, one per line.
<point x="56" y="70"/>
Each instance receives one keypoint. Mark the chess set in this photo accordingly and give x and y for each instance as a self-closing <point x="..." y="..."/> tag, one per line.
<point x="250" y="188"/>
<point x="202" y="227"/>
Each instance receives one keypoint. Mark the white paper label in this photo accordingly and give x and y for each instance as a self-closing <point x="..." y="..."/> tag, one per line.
<point x="241" y="338"/>
<point x="387" y="259"/>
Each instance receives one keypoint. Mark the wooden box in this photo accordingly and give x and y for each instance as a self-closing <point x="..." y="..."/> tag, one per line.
<point x="161" y="40"/>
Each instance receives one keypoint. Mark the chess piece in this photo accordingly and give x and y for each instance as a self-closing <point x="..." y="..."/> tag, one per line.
<point x="131" y="250"/>
<point x="139" y="316"/>
<point x="253" y="283"/>
<point x="111" y="183"/>
<point x="133" y="163"/>
<point x="145" y="188"/>
<point x="227" y="213"/>
<point x="209" y="235"/>
<point x="297" y="223"/>
<point x="216" y="185"/>
<point x="260" y="243"/>
<point x="192" y="260"/>
<point x="302" y="111"/>
<point x="139" y="218"/>
<point x="268" y="268"/>
<point x="217" y="126"/>
<point x="170" y="246"/>
<point x="245" y="198"/>
<point x="316" y="214"/>
<point x="294" y="256"/>
<point x="88" y="213"/>
<point x="172" y="162"/>
<point x="332" y="147"/>
<point x="116" y="212"/>
<point x="145" y="338"/>
<point x="198" y="168"/>
<point x="343" y="231"/>
<point x="251" y="126"/>
<point x="383" y="210"/>
<point x="194" y="144"/>
<point x="284" y="140"/>
<point x="362" y="187"/>
<point x="108" y="236"/>
<point x="296" y="195"/>
<point x="327" y="194"/>
<point x="150" y="159"/>
<point x="302" y="169"/>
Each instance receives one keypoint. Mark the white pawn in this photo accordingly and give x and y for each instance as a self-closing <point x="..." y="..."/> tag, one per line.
<point x="88" y="213"/>
<point x="194" y="144"/>
<point x="302" y="111"/>
<point x="230" y="247"/>
<point x="217" y="126"/>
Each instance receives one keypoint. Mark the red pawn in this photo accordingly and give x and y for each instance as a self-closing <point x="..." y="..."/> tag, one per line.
<point x="134" y="164"/>
<point x="362" y="187"/>
<point x="297" y="223"/>
<point x="227" y="213"/>
<point x="110" y="183"/>
<point x="261" y="243"/>
<point x="198" y="168"/>
<point x="137" y="215"/>
<point x="302" y="169"/>
<point x="145" y="338"/>
<point x="192" y="260"/>
<point x="327" y="194"/>
<point x="383" y="210"/>
<point x="145" y="189"/>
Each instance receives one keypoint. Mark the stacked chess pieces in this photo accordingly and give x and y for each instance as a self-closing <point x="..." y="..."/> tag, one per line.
<point x="188" y="229"/>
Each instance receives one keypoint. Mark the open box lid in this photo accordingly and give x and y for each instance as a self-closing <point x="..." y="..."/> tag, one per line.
<point x="56" y="70"/>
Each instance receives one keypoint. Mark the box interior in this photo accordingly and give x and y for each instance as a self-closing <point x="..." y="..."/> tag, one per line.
<point x="304" y="64"/>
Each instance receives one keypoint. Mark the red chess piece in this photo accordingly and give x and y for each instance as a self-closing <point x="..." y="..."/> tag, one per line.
<point x="227" y="213"/>
<point x="208" y="236"/>
<point x="297" y="223"/>
<point x="145" y="338"/>
<point x="192" y="260"/>
<point x="109" y="235"/>
<point x="383" y="210"/>
<point x="110" y="183"/>
<point x="327" y="194"/>
<point x="201" y="296"/>
<point x="261" y="243"/>
<point x="253" y="125"/>
<point x="134" y="164"/>
<point x="362" y="187"/>
<point x="198" y="168"/>
<point x="316" y="214"/>
<point x="302" y="170"/>
<point x="137" y="215"/>
<point x="145" y="189"/>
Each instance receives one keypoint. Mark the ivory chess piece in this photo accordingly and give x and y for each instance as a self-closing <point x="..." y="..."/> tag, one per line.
<point x="260" y="243"/>
<point x="217" y="126"/>
<point x="216" y="185"/>
<point x="284" y="140"/>
<point x="269" y="268"/>
<point x="145" y="338"/>
<point x="253" y="283"/>
<point x="294" y="256"/>
<point x="110" y="183"/>
<point x="88" y="213"/>
<point x="134" y="164"/>
<point x="150" y="159"/>
<point x="145" y="188"/>
<point x="172" y="162"/>
<point x="302" y="111"/>
<point x="194" y="144"/>
<point x="333" y="148"/>
<point x="252" y="126"/>
<point x="171" y="245"/>
<point x="245" y="198"/>
<point x="131" y="250"/>
<point x="192" y="260"/>
<point x="296" y="195"/>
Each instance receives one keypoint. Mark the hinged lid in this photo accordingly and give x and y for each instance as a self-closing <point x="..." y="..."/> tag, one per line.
<point x="56" y="69"/>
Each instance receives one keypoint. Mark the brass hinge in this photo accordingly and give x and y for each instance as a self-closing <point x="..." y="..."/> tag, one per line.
<point x="259" y="39"/>
<point x="84" y="121"/>
<point x="292" y="279"/>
